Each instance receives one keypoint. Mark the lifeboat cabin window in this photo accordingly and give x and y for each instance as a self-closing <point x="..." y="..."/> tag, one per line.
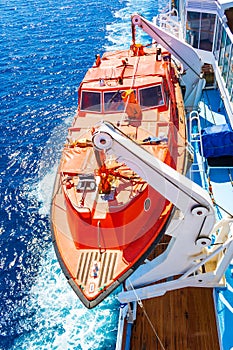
<point x="90" y="101"/>
<point x="113" y="101"/>
<point x="151" y="96"/>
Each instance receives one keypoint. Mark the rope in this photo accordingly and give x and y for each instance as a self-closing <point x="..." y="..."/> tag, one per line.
<point x="131" y="87"/>
<point x="147" y="317"/>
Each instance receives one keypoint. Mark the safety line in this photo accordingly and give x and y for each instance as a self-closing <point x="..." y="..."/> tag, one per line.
<point x="147" y="317"/>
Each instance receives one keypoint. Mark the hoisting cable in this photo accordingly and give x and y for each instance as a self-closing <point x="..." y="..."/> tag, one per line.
<point x="146" y="315"/>
<point x="230" y="177"/>
<point x="218" y="206"/>
<point x="209" y="105"/>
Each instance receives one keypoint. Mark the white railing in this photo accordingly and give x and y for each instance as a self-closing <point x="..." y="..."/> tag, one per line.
<point x="196" y="141"/>
<point x="170" y="22"/>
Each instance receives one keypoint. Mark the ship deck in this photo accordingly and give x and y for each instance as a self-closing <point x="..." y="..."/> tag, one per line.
<point x="182" y="320"/>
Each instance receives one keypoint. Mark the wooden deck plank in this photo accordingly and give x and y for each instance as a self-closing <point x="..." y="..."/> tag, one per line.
<point x="183" y="319"/>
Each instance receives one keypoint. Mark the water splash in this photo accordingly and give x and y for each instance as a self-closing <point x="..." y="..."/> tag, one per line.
<point x="62" y="322"/>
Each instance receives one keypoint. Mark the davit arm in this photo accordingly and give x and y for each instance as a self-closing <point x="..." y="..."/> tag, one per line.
<point x="182" y="51"/>
<point x="190" y="231"/>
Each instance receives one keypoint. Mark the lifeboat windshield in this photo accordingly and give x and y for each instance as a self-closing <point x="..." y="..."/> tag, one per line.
<point x="113" y="101"/>
<point x="151" y="96"/>
<point x="91" y="101"/>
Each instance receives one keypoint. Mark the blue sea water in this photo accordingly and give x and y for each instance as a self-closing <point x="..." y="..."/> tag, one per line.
<point x="45" y="49"/>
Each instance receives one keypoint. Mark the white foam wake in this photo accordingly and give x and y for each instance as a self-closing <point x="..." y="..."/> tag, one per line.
<point x="119" y="32"/>
<point x="62" y="321"/>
